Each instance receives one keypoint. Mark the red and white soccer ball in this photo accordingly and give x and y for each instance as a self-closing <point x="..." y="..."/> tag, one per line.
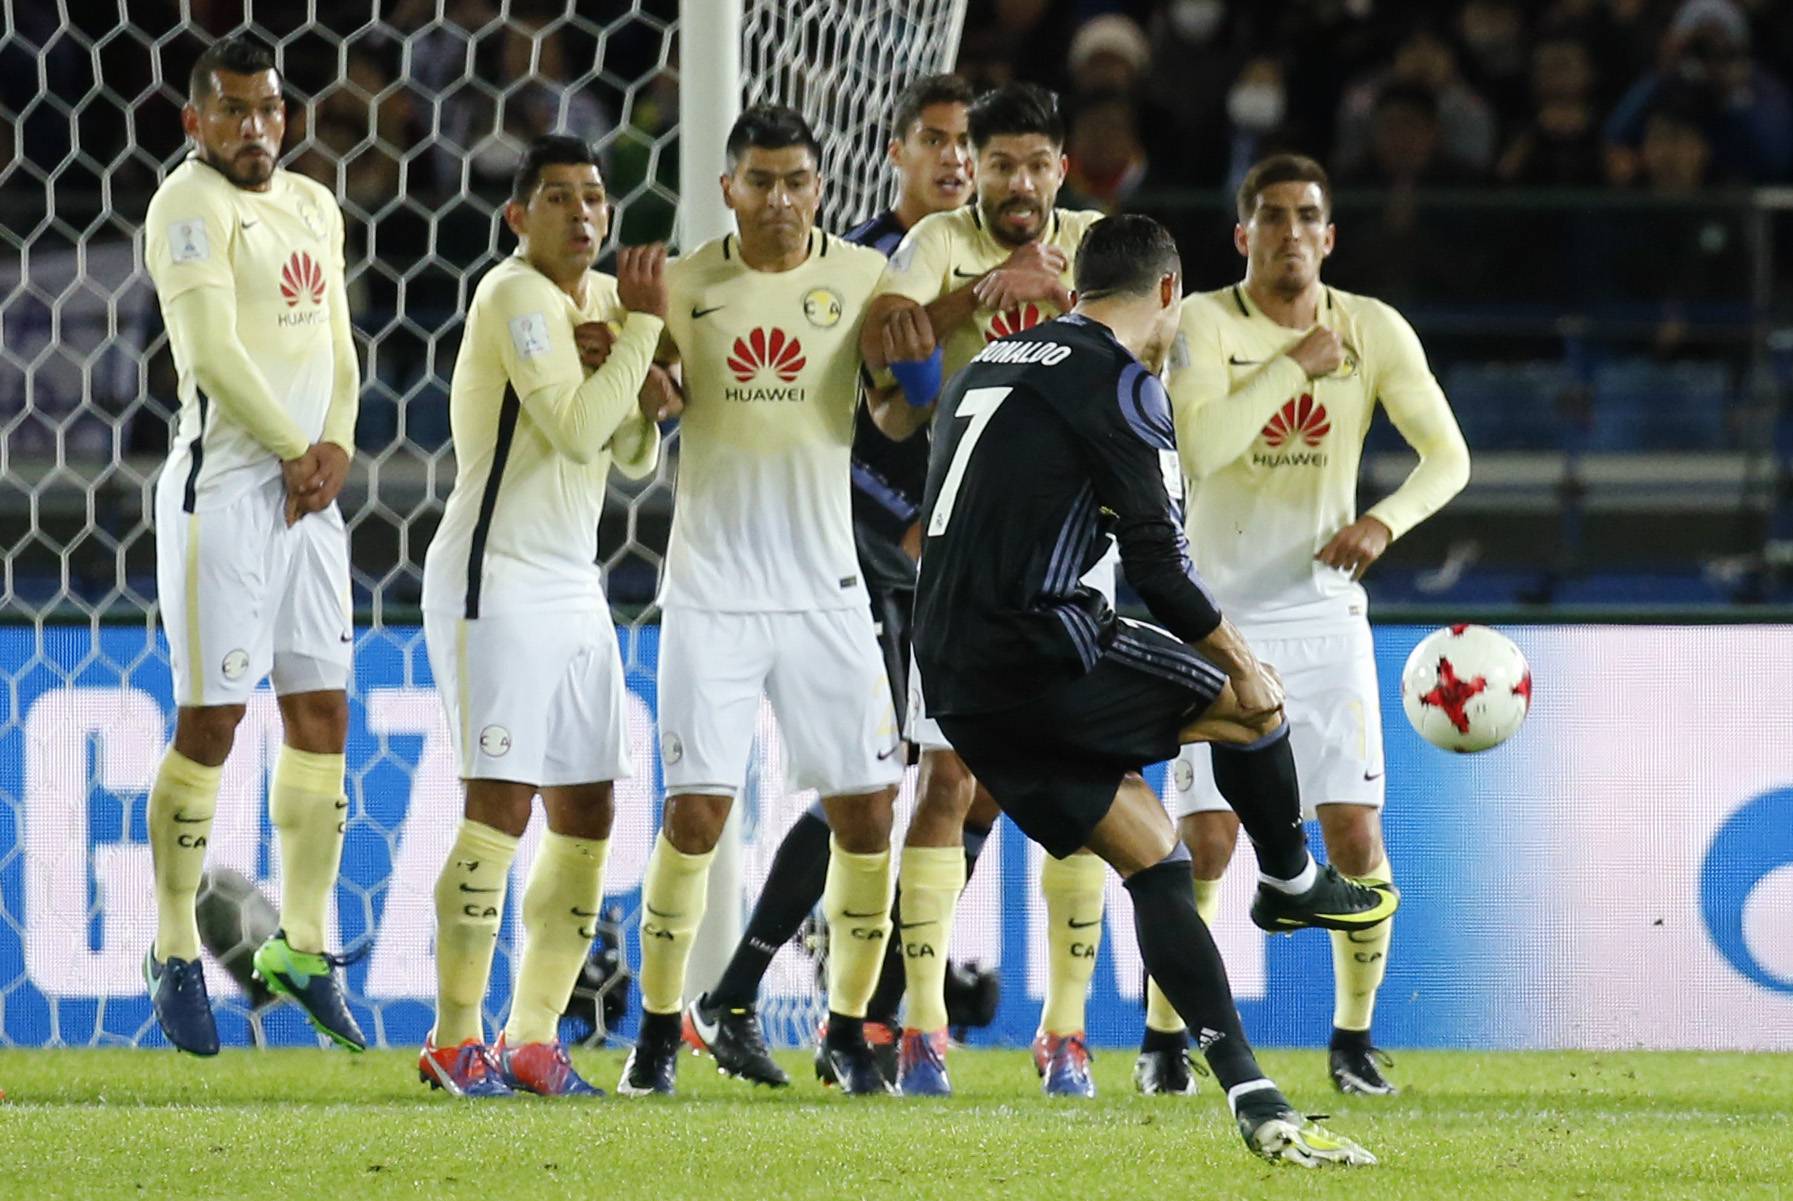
<point x="1466" y="688"/>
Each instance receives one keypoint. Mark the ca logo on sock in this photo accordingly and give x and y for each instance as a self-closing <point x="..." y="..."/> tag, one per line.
<point x="495" y="741"/>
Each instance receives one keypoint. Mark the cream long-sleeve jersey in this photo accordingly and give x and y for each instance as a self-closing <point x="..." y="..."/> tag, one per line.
<point x="1271" y="457"/>
<point x="253" y="294"/>
<point x="534" y="440"/>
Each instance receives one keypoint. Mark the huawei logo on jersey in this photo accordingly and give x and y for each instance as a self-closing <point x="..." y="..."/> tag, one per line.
<point x="301" y="278"/>
<point x="763" y="348"/>
<point x="1015" y="320"/>
<point x="1299" y="418"/>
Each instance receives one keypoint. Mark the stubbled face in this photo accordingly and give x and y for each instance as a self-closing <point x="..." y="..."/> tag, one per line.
<point x="774" y="195"/>
<point x="239" y="125"/>
<point x="1288" y="236"/>
<point x="1018" y="178"/>
<point x="934" y="157"/>
<point x="564" y="222"/>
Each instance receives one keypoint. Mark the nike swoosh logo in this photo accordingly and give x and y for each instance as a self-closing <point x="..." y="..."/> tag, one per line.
<point x="184" y="820"/>
<point x="348" y="638"/>
<point x="885" y="754"/>
<point x="1376" y="776"/>
<point x="342" y="804"/>
<point x="250" y="224"/>
<point x="958" y="274"/>
<point x="1077" y="925"/>
<point x="912" y="925"/>
<point x="1236" y="361"/>
<point x="705" y="1030"/>
<point x="873" y="913"/>
<point x="697" y="312"/>
<point x="658" y="912"/>
<point x="578" y="912"/>
<point x="470" y="888"/>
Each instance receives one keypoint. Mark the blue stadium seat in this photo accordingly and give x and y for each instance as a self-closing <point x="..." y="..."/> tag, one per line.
<point x="1508" y="406"/>
<point x="1641" y="404"/>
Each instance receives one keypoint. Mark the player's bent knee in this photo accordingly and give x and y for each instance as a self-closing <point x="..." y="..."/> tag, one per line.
<point x="316" y="721"/>
<point x="1353" y="837"/>
<point x="693" y="821"/>
<point x="861" y="822"/>
<point x="205" y="734"/>
<point x="580" y="810"/>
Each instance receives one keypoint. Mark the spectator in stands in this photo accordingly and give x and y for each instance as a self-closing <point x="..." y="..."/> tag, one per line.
<point x="1406" y="147"/>
<point x="1110" y="57"/>
<point x="1495" y="54"/>
<point x="1257" y="113"/>
<point x="1467" y="128"/>
<point x="1108" y="159"/>
<point x="1745" y="111"/>
<point x="1559" y="146"/>
<point x="1196" y="49"/>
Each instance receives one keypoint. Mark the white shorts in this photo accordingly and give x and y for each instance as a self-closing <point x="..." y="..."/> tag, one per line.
<point x="243" y="596"/>
<point x="1335" y="725"/>
<point x="822" y="671"/>
<point x="537" y="698"/>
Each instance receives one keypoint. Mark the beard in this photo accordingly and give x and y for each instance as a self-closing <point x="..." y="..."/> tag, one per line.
<point x="1004" y="233"/>
<point x="242" y="170"/>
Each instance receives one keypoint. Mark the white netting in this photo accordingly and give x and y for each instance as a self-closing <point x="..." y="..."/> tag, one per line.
<point x="414" y="111"/>
<point x="842" y="62"/>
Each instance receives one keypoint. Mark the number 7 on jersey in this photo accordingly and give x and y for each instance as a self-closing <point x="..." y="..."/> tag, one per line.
<point x="980" y="404"/>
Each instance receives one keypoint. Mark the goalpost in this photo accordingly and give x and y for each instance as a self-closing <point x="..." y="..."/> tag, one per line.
<point x="413" y="120"/>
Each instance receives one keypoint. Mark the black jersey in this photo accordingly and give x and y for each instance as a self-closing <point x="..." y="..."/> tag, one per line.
<point x="1047" y="444"/>
<point x="888" y="477"/>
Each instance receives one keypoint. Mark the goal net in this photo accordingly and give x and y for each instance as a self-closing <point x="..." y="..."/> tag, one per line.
<point x="414" y="112"/>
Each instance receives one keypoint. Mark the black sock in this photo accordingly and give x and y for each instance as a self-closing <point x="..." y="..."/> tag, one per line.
<point x="1181" y="956"/>
<point x="888" y="994"/>
<point x="1164" y="1040"/>
<point x="1350" y="1040"/>
<point x="793" y="888"/>
<point x="844" y="1031"/>
<point x="1261" y="787"/>
<point x="659" y="1027"/>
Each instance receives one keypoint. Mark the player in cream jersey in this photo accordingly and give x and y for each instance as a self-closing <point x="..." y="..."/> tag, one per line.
<point x="252" y="565"/>
<point x="520" y="636"/>
<point x="1273" y="385"/>
<point x="761" y="589"/>
<point x="979" y="273"/>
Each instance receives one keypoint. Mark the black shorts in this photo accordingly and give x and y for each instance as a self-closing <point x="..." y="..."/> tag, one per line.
<point x="1054" y="764"/>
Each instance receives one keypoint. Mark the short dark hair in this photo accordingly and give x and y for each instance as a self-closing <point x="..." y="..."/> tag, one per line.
<point x="771" y="127"/>
<point x="1124" y="255"/>
<point x="1281" y="168"/>
<point x="927" y="91"/>
<point x="549" y="149"/>
<point x="239" y="54"/>
<point x="1016" y="108"/>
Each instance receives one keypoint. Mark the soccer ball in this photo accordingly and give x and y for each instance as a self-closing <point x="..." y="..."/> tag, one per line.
<point x="1466" y="688"/>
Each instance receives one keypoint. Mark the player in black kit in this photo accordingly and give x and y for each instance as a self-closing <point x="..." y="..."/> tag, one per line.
<point x="1049" y="443"/>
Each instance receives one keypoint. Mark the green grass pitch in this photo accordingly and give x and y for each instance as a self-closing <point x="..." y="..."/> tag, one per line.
<point x="316" y="1125"/>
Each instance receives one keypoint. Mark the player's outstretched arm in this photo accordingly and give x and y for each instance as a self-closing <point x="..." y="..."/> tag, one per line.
<point x="1416" y="404"/>
<point x="1211" y="434"/>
